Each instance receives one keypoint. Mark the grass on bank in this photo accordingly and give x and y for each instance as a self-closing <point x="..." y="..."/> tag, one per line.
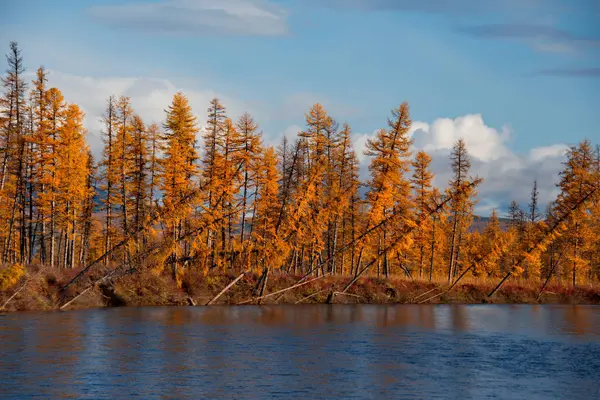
<point x="42" y="290"/>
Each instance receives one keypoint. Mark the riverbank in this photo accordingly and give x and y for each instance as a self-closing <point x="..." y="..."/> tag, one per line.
<point x="43" y="291"/>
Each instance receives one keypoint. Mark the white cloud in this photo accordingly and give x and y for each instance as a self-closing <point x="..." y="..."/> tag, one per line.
<point x="359" y="140"/>
<point x="198" y="17"/>
<point x="540" y="153"/>
<point x="150" y="97"/>
<point x="484" y="143"/>
<point x="507" y="175"/>
<point x="291" y="132"/>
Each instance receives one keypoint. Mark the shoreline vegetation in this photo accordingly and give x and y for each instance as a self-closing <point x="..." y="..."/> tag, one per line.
<point x="43" y="293"/>
<point x="174" y="206"/>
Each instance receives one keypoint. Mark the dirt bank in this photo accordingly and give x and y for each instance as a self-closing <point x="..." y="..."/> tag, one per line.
<point x="42" y="291"/>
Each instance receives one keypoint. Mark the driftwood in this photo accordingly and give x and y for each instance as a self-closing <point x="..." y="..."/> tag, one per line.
<point x="451" y="286"/>
<point x="21" y="288"/>
<point x="407" y="232"/>
<point x="332" y="295"/>
<point x="347" y="294"/>
<point x="68" y="303"/>
<point x="550" y="273"/>
<point x="283" y="290"/>
<point x="226" y="289"/>
<point x="304" y="277"/>
<point x="89" y="287"/>
<point x="156" y="215"/>
<point x="310" y="296"/>
<point x="424" y="294"/>
<point x="140" y="256"/>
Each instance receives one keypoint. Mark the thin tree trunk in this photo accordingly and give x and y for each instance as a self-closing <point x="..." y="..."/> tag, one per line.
<point x="18" y="193"/>
<point x="431" y="261"/>
<point x="211" y="301"/>
<point x="452" y="248"/>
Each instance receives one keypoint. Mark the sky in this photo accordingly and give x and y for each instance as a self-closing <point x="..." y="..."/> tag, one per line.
<point x="519" y="80"/>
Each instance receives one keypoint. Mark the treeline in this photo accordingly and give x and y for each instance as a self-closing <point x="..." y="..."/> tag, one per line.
<point x="236" y="203"/>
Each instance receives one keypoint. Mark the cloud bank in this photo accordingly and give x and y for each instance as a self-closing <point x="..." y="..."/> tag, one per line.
<point x="197" y="17"/>
<point x="518" y="20"/>
<point x="439" y="6"/>
<point x="150" y="97"/>
<point x="543" y="38"/>
<point x="507" y="175"/>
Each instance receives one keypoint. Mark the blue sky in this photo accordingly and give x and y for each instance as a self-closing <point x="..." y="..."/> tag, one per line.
<point x="523" y="75"/>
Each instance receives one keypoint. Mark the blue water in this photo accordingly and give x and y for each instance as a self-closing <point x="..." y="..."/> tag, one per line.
<point x="304" y="352"/>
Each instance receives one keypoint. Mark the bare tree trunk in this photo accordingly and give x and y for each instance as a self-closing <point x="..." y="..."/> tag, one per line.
<point x="18" y="194"/>
<point x="431" y="260"/>
<point x="385" y="256"/>
<point x="30" y="226"/>
<point x="452" y="249"/>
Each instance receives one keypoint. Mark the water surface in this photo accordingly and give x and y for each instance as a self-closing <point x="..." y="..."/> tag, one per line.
<point x="311" y="351"/>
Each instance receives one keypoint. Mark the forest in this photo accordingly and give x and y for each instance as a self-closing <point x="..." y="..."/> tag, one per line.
<point x="161" y="203"/>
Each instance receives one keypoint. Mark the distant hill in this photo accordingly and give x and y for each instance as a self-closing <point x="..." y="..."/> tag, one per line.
<point x="479" y="223"/>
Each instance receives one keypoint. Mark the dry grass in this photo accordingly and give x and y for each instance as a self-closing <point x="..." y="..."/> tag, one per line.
<point x="147" y="289"/>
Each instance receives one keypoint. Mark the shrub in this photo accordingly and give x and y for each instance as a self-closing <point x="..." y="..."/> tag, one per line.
<point x="10" y="276"/>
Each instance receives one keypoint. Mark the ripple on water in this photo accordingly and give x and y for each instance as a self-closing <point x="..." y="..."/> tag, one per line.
<point x="316" y="351"/>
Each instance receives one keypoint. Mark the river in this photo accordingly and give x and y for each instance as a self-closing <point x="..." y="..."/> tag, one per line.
<point x="304" y="352"/>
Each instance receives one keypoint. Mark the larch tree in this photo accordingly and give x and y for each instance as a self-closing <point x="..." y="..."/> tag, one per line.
<point x="594" y="221"/>
<point x="57" y="119"/>
<point x="124" y="160"/>
<point x="345" y="197"/>
<point x="530" y="231"/>
<point x="492" y="236"/>
<point x="88" y="228"/>
<point x="154" y="148"/>
<point x="73" y="190"/>
<point x="12" y="185"/>
<point x="534" y="208"/>
<point x="333" y="198"/>
<point x="178" y="170"/>
<point x="110" y="173"/>
<point x="271" y="251"/>
<point x="229" y="184"/>
<point x="436" y="239"/>
<point x="41" y="156"/>
<point x="517" y="221"/>
<point x="317" y="142"/>
<point x="421" y="185"/>
<point x="139" y="192"/>
<point x="577" y="180"/>
<point x="211" y="163"/>
<point x="251" y="143"/>
<point x="462" y="203"/>
<point x="389" y="188"/>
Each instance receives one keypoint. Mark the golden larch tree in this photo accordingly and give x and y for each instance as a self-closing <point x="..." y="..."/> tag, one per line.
<point x="72" y="176"/>
<point x="389" y="188"/>
<point x="178" y="169"/>
<point x="577" y="180"/>
<point x="421" y="185"/>
<point x="271" y="250"/>
<point x="462" y="203"/>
